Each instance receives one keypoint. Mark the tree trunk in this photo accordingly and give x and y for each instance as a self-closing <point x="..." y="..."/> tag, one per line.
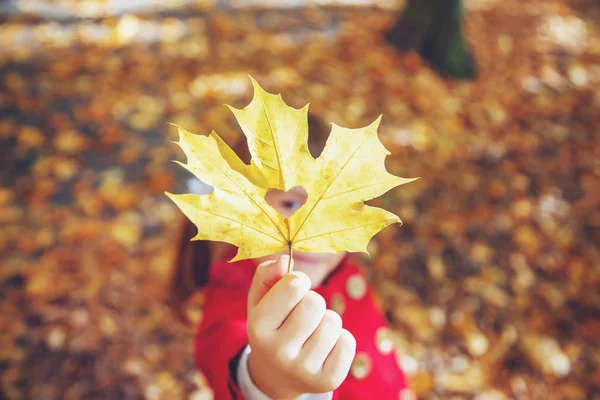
<point x="433" y="29"/>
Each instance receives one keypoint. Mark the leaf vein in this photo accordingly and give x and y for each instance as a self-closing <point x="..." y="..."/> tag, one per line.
<point x="327" y="188"/>
<point x="243" y="191"/>
<point x="242" y="224"/>
<point x="355" y="189"/>
<point x="343" y="230"/>
<point x="275" y="144"/>
<point x="286" y="151"/>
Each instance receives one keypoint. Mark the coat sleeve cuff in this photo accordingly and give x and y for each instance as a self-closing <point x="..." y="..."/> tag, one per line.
<point x="252" y="392"/>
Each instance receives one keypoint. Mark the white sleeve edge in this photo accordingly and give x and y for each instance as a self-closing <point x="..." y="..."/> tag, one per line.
<point x="252" y="392"/>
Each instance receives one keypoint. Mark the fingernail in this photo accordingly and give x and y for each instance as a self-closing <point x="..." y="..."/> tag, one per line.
<point x="285" y="258"/>
<point x="301" y="278"/>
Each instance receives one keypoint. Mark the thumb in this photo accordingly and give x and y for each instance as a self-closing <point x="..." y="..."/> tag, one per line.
<point x="266" y="275"/>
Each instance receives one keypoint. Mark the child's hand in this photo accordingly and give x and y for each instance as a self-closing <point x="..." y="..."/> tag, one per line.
<point x="297" y="345"/>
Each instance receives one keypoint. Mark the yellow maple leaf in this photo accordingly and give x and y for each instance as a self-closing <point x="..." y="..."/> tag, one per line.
<point x="349" y="171"/>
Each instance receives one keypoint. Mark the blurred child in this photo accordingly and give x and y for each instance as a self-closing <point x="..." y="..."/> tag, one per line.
<point x="312" y="334"/>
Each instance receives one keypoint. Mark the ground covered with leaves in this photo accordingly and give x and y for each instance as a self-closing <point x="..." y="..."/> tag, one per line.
<point x="492" y="283"/>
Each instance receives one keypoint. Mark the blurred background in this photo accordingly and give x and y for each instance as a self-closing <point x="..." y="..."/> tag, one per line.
<point x="493" y="282"/>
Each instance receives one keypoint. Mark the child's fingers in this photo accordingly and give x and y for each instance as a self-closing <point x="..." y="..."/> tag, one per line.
<point x="265" y="276"/>
<point x="321" y="342"/>
<point x="302" y="322"/>
<point x="337" y="365"/>
<point x="280" y="300"/>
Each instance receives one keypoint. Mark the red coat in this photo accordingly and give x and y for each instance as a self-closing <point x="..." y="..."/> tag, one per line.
<point x="375" y="373"/>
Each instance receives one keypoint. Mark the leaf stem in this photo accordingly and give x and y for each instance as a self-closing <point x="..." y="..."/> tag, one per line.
<point x="291" y="252"/>
<point x="290" y="249"/>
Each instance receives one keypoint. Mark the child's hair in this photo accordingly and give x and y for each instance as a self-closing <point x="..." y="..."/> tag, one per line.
<point x="192" y="259"/>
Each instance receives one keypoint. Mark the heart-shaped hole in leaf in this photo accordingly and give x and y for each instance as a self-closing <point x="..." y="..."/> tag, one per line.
<point x="287" y="203"/>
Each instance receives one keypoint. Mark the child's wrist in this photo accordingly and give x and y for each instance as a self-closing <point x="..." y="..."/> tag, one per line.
<point x="265" y="382"/>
